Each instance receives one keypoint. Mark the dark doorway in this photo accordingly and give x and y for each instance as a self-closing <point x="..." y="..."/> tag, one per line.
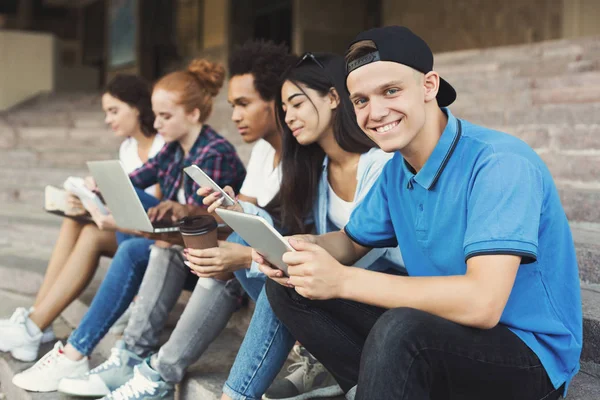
<point x="274" y="22"/>
<point x="262" y="19"/>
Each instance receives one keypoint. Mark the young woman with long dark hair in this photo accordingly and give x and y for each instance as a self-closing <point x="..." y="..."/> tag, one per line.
<point x="328" y="165"/>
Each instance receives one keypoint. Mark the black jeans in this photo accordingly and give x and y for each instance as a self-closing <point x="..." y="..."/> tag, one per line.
<point x="407" y="354"/>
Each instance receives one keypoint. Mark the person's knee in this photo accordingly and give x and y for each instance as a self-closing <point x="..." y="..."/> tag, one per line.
<point x="160" y="257"/>
<point x="278" y="296"/>
<point x="91" y="235"/>
<point x="133" y="253"/>
<point x="398" y="329"/>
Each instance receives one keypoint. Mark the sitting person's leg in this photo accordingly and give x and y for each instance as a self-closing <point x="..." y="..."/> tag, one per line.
<point x="65" y="243"/>
<point x="411" y="354"/>
<point x="263" y="352"/>
<point x="119" y="287"/>
<point x="252" y="285"/>
<point x="334" y="331"/>
<point x="161" y="286"/>
<point x="205" y="316"/>
<point x="75" y="275"/>
<point x="148" y="201"/>
<point x="114" y="295"/>
<point x="22" y="335"/>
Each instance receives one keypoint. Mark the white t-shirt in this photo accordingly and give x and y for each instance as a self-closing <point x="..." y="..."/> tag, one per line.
<point x="128" y="154"/>
<point x="338" y="209"/>
<point x="262" y="180"/>
<point x="181" y="196"/>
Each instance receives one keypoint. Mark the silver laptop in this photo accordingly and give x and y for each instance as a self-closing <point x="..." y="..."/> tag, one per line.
<point x="122" y="200"/>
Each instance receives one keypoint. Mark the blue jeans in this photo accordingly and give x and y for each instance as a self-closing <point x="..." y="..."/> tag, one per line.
<point x="265" y="347"/>
<point x="116" y="292"/>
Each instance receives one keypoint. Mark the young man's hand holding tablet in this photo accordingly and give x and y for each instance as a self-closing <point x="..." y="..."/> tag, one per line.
<point x="261" y="236"/>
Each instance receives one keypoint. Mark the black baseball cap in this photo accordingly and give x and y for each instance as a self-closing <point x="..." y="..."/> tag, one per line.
<point x="399" y="44"/>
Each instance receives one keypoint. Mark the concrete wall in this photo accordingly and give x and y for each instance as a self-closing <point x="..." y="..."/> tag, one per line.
<point x="464" y="24"/>
<point x="326" y="25"/>
<point x="581" y="18"/>
<point x="27" y="67"/>
<point x="76" y="79"/>
<point x="203" y="31"/>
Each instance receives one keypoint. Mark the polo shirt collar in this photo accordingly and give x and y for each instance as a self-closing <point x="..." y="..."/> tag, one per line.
<point x="435" y="164"/>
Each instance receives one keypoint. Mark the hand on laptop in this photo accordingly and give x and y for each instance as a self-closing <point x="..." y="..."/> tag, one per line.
<point x="214" y="199"/>
<point x="228" y="257"/>
<point x="168" y="209"/>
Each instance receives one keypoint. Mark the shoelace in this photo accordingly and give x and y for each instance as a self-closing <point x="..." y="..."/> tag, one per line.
<point x="46" y="361"/>
<point x="305" y="363"/>
<point x="113" y="361"/>
<point x="136" y="386"/>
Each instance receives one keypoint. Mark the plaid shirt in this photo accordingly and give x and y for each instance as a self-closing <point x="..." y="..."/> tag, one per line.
<point x="211" y="153"/>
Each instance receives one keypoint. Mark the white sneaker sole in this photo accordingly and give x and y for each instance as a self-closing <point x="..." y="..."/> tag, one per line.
<point x="91" y="386"/>
<point x="23" y="354"/>
<point x="328" y="391"/>
<point x="25" y="384"/>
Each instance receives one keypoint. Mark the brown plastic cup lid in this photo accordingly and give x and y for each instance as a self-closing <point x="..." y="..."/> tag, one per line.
<point x="198" y="225"/>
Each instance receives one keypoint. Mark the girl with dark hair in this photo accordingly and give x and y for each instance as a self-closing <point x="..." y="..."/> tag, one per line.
<point x="126" y="103"/>
<point x="328" y="165"/>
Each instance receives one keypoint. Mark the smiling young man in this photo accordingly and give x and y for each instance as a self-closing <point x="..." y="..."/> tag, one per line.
<point x="491" y="307"/>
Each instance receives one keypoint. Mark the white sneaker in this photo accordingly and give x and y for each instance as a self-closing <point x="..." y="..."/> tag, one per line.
<point x="46" y="374"/>
<point x="119" y="326"/>
<point x="16" y="315"/>
<point x="48" y="334"/>
<point x="16" y="337"/>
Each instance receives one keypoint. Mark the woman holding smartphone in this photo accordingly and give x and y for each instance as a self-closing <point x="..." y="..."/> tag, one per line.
<point x="328" y="166"/>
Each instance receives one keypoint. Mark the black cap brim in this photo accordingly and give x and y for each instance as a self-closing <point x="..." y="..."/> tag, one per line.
<point x="446" y="94"/>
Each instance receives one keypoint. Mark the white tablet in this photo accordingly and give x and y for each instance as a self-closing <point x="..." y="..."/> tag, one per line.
<point x="202" y="179"/>
<point x="259" y="235"/>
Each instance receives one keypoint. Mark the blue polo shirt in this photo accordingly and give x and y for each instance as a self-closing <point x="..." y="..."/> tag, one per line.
<point x="485" y="192"/>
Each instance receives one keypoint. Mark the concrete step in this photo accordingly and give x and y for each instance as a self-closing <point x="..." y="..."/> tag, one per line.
<point x="83" y="101"/>
<point x="468" y="83"/>
<point x="75" y="139"/>
<point x="36" y="176"/>
<point x="550" y="51"/>
<point x="206" y="377"/>
<point x="54" y="158"/>
<point x="59" y="118"/>
<point x="525" y="97"/>
<point x="570" y="115"/>
<point x="587" y="242"/>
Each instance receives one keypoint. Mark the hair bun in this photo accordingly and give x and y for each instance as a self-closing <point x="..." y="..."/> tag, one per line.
<point x="211" y="75"/>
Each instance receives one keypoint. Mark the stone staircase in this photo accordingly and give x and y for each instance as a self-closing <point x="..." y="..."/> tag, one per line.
<point x="548" y="94"/>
